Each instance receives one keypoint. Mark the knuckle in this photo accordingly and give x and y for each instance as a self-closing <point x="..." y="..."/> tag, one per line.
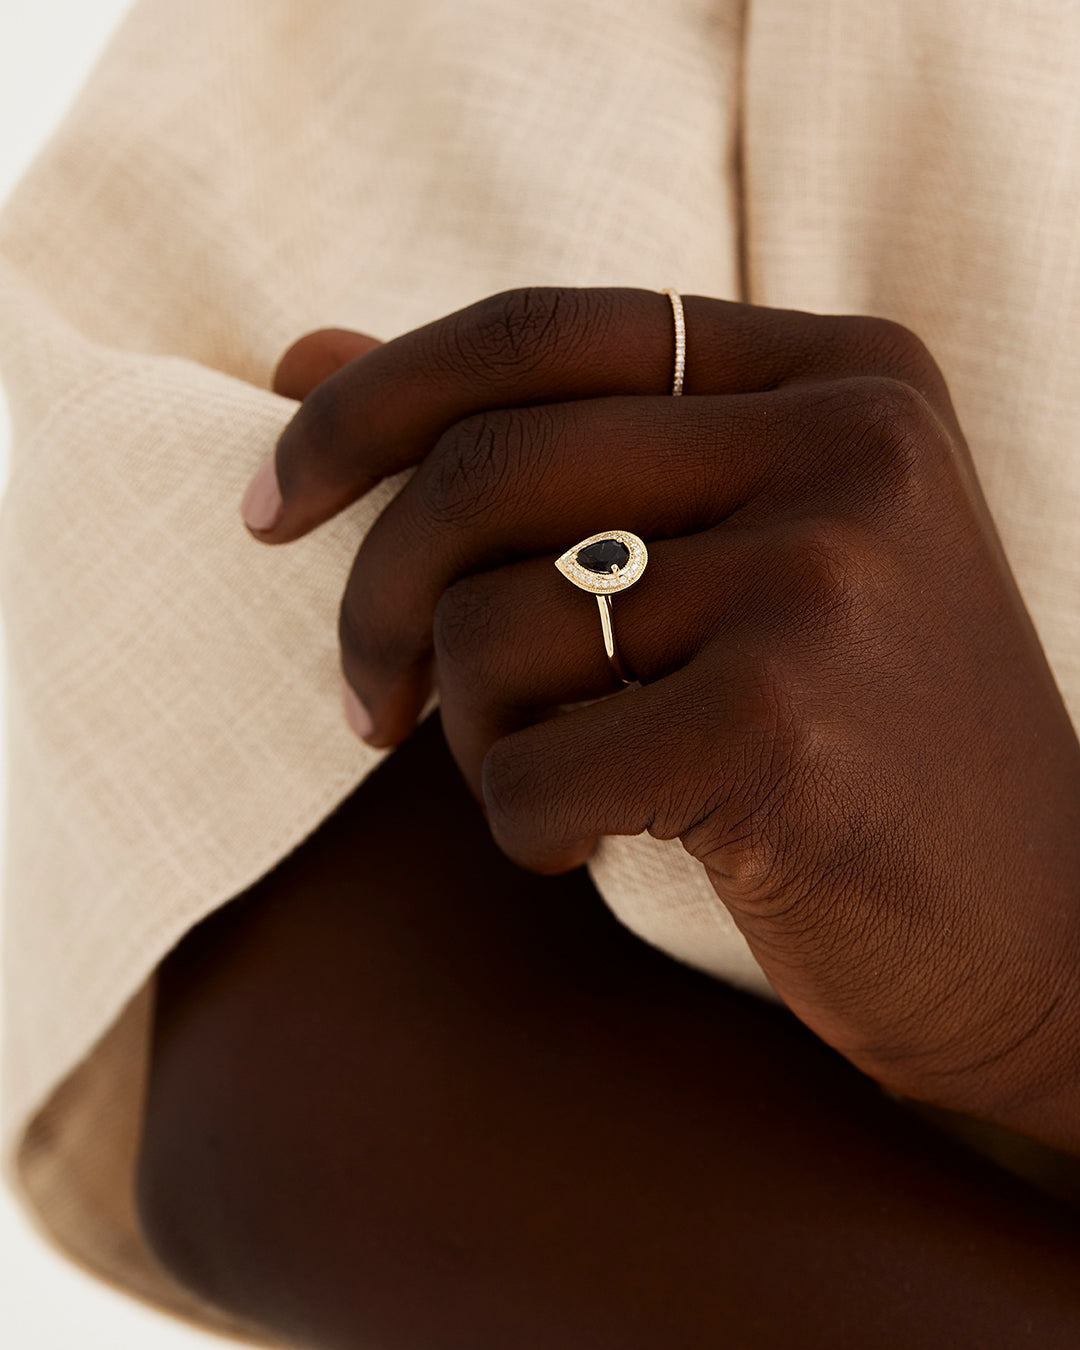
<point x="738" y="834"/>
<point x="822" y="559"/>
<point x="874" y="343"/>
<point x="509" y="784"/>
<point x="834" y="572"/>
<point x="876" y="431"/>
<point x="461" y="472"/>
<point x="893" y="409"/>
<point x="742" y="855"/>
<point x="465" y="626"/>
<point x="480" y="464"/>
<point x="530" y="813"/>
<point x="893" y="345"/>
<point x="903" y="442"/>
<point x="513" y="331"/>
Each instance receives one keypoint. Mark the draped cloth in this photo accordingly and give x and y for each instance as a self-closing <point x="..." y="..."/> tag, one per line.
<point x="238" y="172"/>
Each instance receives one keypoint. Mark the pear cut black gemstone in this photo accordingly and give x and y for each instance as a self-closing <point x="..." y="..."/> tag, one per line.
<point x="604" y="555"/>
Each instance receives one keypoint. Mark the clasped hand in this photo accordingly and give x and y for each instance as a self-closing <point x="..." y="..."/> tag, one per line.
<point x="844" y="711"/>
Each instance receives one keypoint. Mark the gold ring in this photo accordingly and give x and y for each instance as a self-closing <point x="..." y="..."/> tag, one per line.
<point x="680" y="340"/>
<point x="603" y="565"/>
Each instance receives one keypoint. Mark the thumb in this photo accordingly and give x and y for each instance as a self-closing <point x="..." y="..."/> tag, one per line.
<point x="315" y="357"/>
<point x="310" y="360"/>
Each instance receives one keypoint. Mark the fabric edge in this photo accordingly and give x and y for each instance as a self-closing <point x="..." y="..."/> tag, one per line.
<point x="38" y="1192"/>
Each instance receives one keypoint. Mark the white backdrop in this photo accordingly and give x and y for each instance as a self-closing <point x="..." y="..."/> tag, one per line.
<point x="46" y="48"/>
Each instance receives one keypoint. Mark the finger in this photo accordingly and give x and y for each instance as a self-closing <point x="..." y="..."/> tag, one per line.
<point x="515" y="645"/>
<point x="520" y="483"/>
<point x="383" y="413"/>
<point x="310" y="360"/>
<point x="551" y="790"/>
<point x="315" y="357"/>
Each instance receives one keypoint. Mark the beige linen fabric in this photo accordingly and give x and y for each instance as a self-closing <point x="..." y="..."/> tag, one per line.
<point x="240" y="171"/>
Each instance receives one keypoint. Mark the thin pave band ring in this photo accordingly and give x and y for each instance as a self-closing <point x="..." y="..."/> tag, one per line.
<point x="680" y="340"/>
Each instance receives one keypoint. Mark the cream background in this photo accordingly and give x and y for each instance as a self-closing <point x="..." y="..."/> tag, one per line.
<point x="46" y="47"/>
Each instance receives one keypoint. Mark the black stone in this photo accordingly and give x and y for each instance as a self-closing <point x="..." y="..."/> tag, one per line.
<point x="604" y="555"/>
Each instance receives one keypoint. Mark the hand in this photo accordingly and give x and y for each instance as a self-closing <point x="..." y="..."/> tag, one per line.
<point x="844" y="711"/>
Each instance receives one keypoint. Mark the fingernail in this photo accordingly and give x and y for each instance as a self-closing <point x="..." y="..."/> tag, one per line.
<point x="356" y="714"/>
<point x="262" y="501"/>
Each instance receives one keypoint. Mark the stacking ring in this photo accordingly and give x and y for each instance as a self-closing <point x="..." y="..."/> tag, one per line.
<point x="680" y="340"/>
<point x="603" y="565"/>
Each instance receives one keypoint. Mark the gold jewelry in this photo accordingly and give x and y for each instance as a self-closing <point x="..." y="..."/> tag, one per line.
<point x="604" y="564"/>
<point x="680" y="339"/>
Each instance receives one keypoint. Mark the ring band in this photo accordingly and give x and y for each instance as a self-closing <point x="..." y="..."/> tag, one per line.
<point x="680" y="340"/>
<point x="603" y="565"/>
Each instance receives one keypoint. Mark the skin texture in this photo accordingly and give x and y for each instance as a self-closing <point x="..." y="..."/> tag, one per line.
<point x="423" y="1100"/>
<point x="437" y="1098"/>
<point x="844" y="711"/>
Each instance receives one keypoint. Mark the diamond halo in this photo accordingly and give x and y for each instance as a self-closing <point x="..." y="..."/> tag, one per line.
<point x="596" y="583"/>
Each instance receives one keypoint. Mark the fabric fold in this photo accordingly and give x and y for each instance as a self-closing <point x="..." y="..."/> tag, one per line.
<point x="236" y="173"/>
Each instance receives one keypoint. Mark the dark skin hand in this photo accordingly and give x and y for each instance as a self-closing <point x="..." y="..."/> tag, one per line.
<point x="422" y="1099"/>
<point x="844" y="711"/>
